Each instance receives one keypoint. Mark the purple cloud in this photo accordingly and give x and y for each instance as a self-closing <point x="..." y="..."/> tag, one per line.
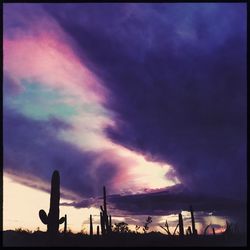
<point x="33" y="147"/>
<point x="177" y="77"/>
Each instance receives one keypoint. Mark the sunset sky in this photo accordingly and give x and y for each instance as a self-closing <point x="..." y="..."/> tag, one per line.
<point x="146" y="99"/>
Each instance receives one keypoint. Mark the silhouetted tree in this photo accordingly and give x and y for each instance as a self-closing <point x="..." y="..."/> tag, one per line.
<point x="166" y="228"/>
<point x="121" y="227"/>
<point x="137" y="228"/>
<point x="146" y="227"/>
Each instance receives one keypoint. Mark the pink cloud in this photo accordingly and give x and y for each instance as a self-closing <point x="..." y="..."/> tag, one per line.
<point x="38" y="50"/>
<point x="45" y="60"/>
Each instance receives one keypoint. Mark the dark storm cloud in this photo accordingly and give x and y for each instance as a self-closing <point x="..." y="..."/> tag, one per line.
<point x="177" y="75"/>
<point x="172" y="200"/>
<point x="32" y="147"/>
<point x="83" y="204"/>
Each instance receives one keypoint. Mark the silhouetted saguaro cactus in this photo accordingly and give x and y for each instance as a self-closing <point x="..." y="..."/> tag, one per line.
<point x="90" y="226"/>
<point x="188" y="231"/>
<point x="181" y="229"/>
<point x="98" y="230"/>
<point x="102" y="224"/>
<point x="106" y="222"/>
<point x="110" y="224"/>
<point x="65" y="223"/>
<point x="52" y="219"/>
<point x="194" y="231"/>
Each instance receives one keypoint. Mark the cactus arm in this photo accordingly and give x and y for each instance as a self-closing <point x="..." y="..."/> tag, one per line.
<point x="62" y="220"/>
<point x="43" y="217"/>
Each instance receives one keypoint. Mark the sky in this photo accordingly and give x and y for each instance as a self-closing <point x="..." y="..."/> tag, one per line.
<point x="146" y="99"/>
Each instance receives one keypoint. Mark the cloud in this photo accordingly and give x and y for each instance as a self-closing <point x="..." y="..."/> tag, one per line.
<point x="168" y="82"/>
<point x="33" y="148"/>
<point x="170" y="202"/>
<point x="10" y="86"/>
<point x="174" y="200"/>
<point x="83" y="203"/>
<point x="177" y="82"/>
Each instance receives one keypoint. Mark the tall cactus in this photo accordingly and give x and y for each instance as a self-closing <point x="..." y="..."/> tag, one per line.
<point x="181" y="228"/>
<point x="188" y="231"/>
<point x="106" y="222"/>
<point x="52" y="219"/>
<point x="90" y="225"/>
<point x="102" y="223"/>
<point x="65" y="223"/>
<point x="110" y="224"/>
<point x="194" y="231"/>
